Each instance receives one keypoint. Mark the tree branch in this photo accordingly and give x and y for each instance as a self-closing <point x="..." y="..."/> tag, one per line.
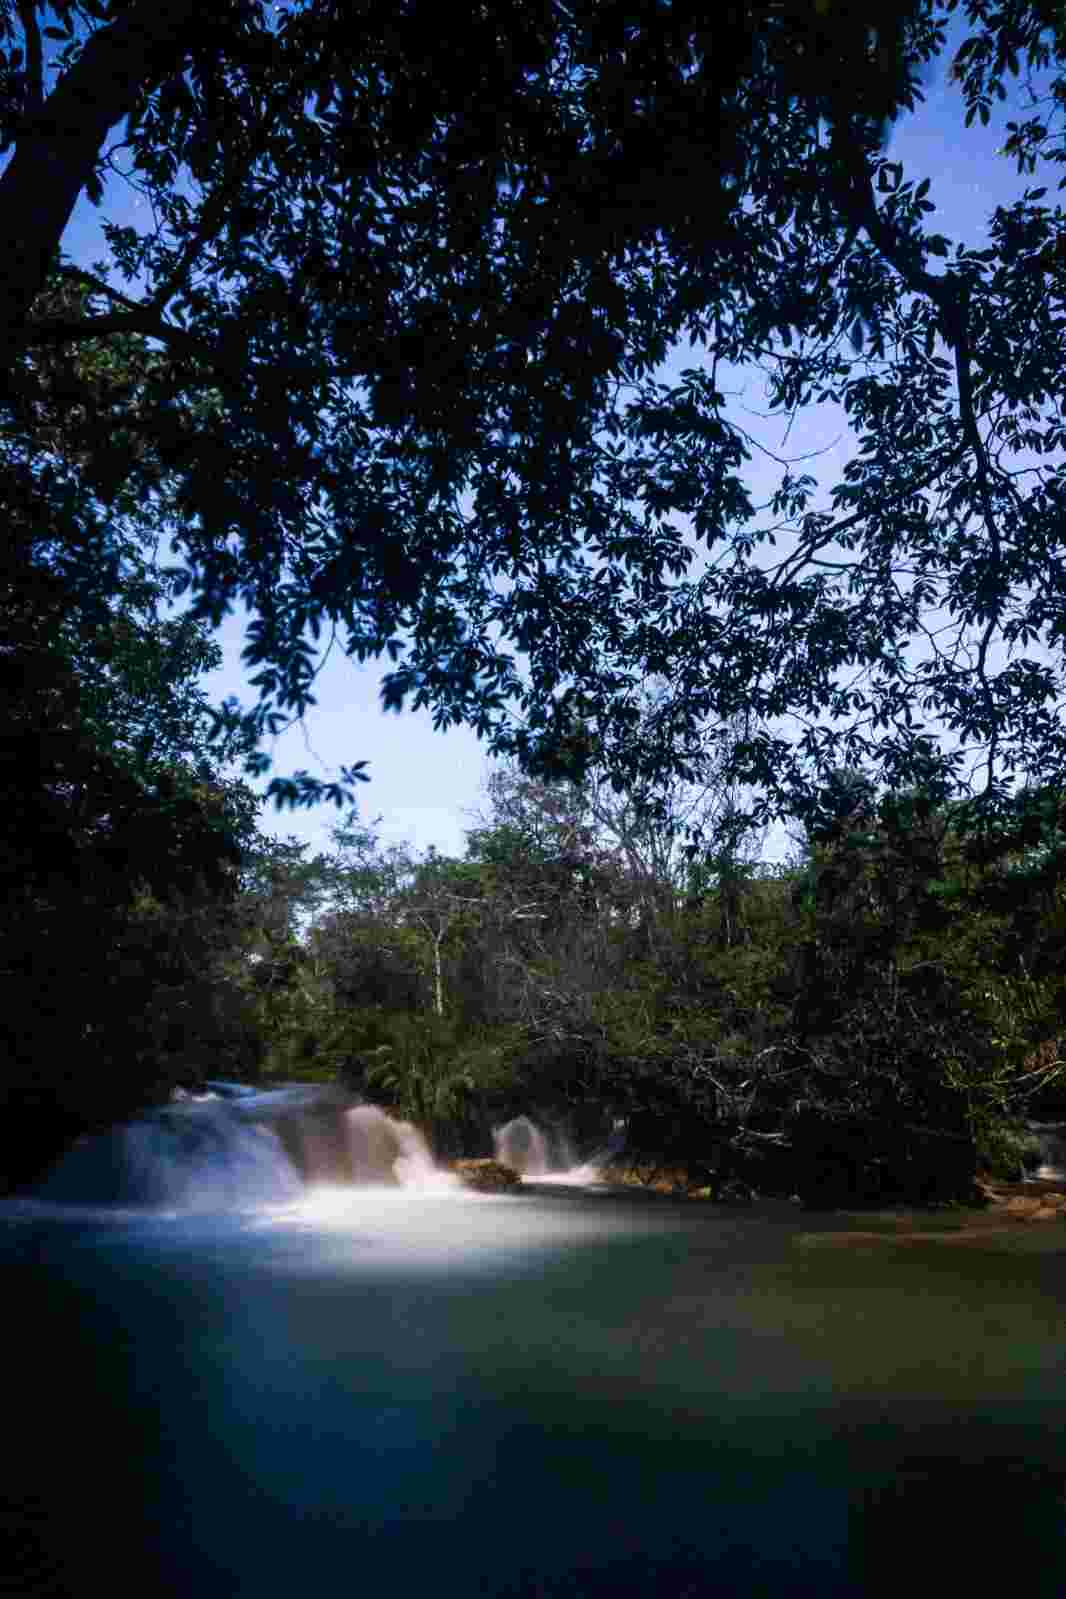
<point x="27" y="13"/>
<point x="57" y="151"/>
<point x="948" y="293"/>
<point x="216" y="207"/>
<point x="805" y="553"/>
<point x="134" y="322"/>
<point x="140" y="322"/>
<point x="89" y="280"/>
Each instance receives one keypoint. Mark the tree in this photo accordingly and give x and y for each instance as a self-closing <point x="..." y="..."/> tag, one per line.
<point x="410" y="314"/>
<point x="118" y="886"/>
<point x="127" y="63"/>
<point x="390" y="886"/>
<point x="122" y="825"/>
<point x="650" y="844"/>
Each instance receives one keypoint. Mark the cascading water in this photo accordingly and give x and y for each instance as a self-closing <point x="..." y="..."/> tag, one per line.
<point x="190" y="1156"/>
<point x="242" y="1150"/>
<point x="1051" y="1140"/>
<point x="543" y="1155"/>
<point x="523" y="1146"/>
<point x="387" y="1151"/>
<point x="236" y="1148"/>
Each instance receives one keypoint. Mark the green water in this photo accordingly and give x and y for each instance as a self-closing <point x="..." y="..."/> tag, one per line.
<point x="554" y="1394"/>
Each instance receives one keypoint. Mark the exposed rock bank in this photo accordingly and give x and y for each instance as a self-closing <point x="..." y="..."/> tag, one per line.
<point x="486" y="1176"/>
<point x="1026" y="1202"/>
<point x="994" y="1203"/>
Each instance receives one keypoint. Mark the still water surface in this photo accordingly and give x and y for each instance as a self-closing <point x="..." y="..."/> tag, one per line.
<point x="562" y="1392"/>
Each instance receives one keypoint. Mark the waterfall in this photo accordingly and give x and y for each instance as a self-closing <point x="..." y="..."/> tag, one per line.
<point x="240" y="1148"/>
<point x="543" y="1154"/>
<point x="235" y="1149"/>
<point x="1051" y="1140"/>
<point x="387" y="1151"/>
<point x="191" y="1157"/>
<point x="523" y="1146"/>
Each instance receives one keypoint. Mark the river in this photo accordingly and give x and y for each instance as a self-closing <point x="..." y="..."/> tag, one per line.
<point x="565" y="1391"/>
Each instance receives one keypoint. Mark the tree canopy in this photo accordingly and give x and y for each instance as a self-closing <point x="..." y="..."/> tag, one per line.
<point x="405" y="308"/>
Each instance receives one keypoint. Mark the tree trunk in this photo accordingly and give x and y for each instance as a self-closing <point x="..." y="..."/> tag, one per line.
<point x="55" y="155"/>
<point x="728" y="904"/>
<point x="438" y="978"/>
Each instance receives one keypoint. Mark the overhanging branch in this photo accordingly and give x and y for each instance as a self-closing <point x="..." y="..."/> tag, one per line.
<point x="57" y="150"/>
<point x="949" y="294"/>
<point x="31" y="33"/>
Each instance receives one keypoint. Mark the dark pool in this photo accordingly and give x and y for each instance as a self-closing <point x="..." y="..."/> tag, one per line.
<point x="565" y="1392"/>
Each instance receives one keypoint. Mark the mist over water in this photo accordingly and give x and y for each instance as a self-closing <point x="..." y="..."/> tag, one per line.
<point x="269" y="1342"/>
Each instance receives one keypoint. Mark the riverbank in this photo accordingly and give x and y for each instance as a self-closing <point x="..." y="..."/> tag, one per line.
<point x="1033" y="1201"/>
<point x="997" y="1204"/>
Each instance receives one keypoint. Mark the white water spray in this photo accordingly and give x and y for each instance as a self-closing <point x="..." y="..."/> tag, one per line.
<point x="543" y="1155"/>
<point x="386" y="1151"/>
<point x="1051" y="1139"/>
<point x="191" y="1157"/>
<point x="238" y="1151"/>
<point x="523" y="1146"/>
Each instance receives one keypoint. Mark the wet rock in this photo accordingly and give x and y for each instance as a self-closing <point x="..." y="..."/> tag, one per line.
<point x="1027" y="1202"/>
<point x="486" y="1176"/>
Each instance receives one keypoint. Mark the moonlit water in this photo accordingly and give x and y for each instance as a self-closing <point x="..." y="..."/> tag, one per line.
<point x="557" y="1391"/>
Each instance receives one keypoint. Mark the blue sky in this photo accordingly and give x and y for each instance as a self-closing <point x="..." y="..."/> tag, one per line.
<point x="426" y="785"/>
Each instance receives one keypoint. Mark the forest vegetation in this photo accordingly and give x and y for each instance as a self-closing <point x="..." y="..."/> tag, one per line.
<point x="388" y="365"/>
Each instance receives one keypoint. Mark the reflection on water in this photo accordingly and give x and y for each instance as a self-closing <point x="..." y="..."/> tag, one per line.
<point x="552" y="1393"/>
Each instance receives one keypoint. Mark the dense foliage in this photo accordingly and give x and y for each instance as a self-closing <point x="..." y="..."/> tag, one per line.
<point x="408" y="311"/>
<point x="121" y="829"/>
<point x="118" y="877"/>
<point x="400" y="357"/>
<point x="865" y="1025"/>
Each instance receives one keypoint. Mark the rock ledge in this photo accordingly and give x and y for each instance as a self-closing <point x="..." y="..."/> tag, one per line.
<point x="485" y="1176"/>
